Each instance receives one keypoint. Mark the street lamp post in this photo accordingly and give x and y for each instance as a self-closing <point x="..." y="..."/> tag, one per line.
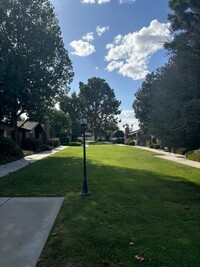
<point x="84" y="192"/>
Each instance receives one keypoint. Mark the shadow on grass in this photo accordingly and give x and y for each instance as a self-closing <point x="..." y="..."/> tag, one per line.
<point x="159" y="213"/>
<point x="57" y="176"/>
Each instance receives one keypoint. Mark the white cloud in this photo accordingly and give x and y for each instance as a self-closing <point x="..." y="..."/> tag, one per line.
<point x="82" y="48"/>
<point x="88" y="37"/>
<point x="126" y="1"/>
<point x="100" y="30"/>
<point x="128" y="117"/>
<point x="130" y="54"/>
<point x="95" y="1"/>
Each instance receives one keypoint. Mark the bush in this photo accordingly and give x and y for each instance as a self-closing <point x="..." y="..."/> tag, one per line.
<point x="54" y="142"/>
<point x="180" y="150"/>
<point x="150" y="143"/>
<point x="64" y="141"/>
<point x="119" y="141"/>
<point x="32" y="144"/>
<point x="119" y="134"/>
<point x="156" y="146"/>
<point x="45" y="147"/>
<point x="64" y="138"/>
<point x="9" y="150"/>
<point x="74" y="144"/>
<point x="130" y="142"/>
<point x="193" y="155"/>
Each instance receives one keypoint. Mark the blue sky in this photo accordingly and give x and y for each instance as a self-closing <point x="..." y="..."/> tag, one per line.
<point x="117" y="40"/>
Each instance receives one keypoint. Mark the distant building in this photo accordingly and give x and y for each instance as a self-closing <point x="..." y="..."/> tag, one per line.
<point x="34" y="130"/>
<point x="25" y="129"/>
<point x="137" y="136"/>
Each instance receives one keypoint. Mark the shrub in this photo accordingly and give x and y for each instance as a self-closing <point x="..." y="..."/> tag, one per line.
<point x="32" y="144"/>
<point x="130" y="142"/>
<point x="180" y="150"/>
<point x="150" y="143"/>
<point x="74" y="144"/>
<point x="45" y="147"/>
<point x="193" y="155"/>
<point x="156" y="146"/>
<point x="64" y="138"/>
<point x="119" y="141"/>
<point x="9" y="150"/>
<point x="119" y="134"/>
<point x="64" y="141"/>
<point x="54" y="142"/>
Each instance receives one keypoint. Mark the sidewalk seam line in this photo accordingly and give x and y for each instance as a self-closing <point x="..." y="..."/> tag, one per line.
<point x="5" y="202"/>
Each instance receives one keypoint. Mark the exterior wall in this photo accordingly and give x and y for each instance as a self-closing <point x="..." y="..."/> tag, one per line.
<point x="6" y="133"/>
<point x="1" y="132"/>
<point x="46" y="128"/>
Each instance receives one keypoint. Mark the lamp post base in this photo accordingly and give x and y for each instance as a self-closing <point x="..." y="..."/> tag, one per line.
<point x="84" y="194"/>
<point x="84" y="191"/>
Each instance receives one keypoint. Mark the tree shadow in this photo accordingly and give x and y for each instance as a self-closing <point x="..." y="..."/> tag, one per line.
<point x="158" y="212"/>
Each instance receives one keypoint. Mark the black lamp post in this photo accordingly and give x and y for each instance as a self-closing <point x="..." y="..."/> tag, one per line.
<point x="84" y="192"/>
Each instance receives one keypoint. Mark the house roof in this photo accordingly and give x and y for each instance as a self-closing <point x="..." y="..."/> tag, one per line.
<point x="5" y="125"/>
<point x="134" y="132"/>
<point x="29" y="125"/>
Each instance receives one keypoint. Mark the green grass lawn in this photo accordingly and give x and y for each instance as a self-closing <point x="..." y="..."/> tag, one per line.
<point x="139" y="205"/>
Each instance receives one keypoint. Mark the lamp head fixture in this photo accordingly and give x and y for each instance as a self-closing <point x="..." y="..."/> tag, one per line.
<point x="83" y="119"/>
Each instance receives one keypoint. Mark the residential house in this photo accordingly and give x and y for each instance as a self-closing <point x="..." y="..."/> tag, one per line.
<point x="137" y="136"/>
<point x="30" y="129"/>
<point x="5" y="129"/>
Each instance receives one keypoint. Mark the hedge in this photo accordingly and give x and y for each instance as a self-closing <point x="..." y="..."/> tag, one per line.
<point x="193" y="155"/>
<point x="9" y="150"/>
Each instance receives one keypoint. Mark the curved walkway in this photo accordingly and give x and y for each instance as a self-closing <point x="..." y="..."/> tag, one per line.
<point x="171" y="156"/>
<point x="18" y="164"/>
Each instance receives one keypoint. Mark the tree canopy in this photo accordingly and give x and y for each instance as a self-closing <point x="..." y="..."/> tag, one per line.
<point x="59" y="123"/>
<point x="99" y="103"/>
<point x="168" y="102"/>
<point x="35" y="67"/>
<point x="70" y="105"/>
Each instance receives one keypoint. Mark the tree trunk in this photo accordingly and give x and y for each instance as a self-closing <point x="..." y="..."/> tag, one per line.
<point x="95" y="134"/>
<point x="15" y="131"/>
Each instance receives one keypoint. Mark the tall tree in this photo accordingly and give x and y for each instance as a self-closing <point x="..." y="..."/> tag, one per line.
<point x="59" y="123"/>
<point x="71" y="105"/>
<point x="99" y="103"/>
<point x="185" y="15"/>
<point x="143" y="102"/>
<point x="168" y="109"/>
<point x="169" y="105"/>
<point x="34" y="64"/>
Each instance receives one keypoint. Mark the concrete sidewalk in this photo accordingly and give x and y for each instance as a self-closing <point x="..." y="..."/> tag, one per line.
<point x="18" y="164"/>
<point x="25" y="224"/>
<point x="173" y="157"/>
